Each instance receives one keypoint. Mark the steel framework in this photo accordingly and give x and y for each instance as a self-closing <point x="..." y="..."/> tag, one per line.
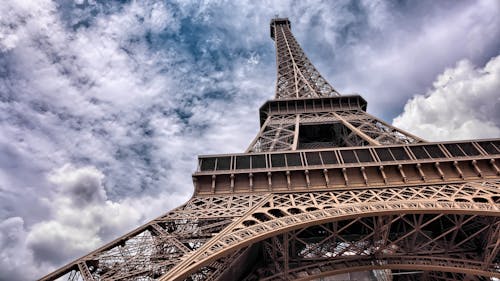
<point x="324" y="190"/>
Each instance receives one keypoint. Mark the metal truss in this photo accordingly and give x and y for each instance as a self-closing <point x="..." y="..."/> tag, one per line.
<point x="449" y="242"/>
<point x="283" y="213"/>
<point x="276" y="136"/>
<point x="297" y="76"/>
<point x="361" y="229"/>
<point x="281" y="132"/>
<point x="324" y="189"/>
<point x="152" y="249"/>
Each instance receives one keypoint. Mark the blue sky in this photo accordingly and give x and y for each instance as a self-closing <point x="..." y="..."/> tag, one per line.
<point x="104" y="105"/>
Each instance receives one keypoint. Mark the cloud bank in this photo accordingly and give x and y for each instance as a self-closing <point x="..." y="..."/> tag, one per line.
<point x="464" y="103"/>
<point x="105" y="105"/>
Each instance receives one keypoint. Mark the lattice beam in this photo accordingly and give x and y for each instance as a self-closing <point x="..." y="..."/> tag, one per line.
<point x="286" y="212"/>
<point x="297" y="77"/>
<point x="323" y="189"/>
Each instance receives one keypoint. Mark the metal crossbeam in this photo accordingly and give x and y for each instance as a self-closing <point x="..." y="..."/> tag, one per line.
<point x="297" y="77"/>
<point x="323" y="189"/>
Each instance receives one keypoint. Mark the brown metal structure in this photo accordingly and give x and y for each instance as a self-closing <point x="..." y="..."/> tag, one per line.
<point x="324" y="190"/>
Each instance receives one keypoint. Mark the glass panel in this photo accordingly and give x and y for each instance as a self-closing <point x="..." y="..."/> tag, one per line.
<point x="278" y="160"/>
<point x="419" y="152"/>
<point x="348" y="156"/>
<point x="329" y="157"/>
<point x="258" y="161"/>
<point x="223" y="163"/>
<point x="364" y="155"/>
<point x="488" y="147"/>
<point x="469" y="149"/>
<point x="299" y="104"/>
<point x="293" y="159"/>
<point x="434" y="151"/>
<point x="208" y="164"/>
<point x="309" y="104"/>
<point x="384" y="154"/>
<point x="497" y="144"/>
<point x="313" y="158"/>
<point x="242" y="162"/>
<point x="399" y="153"/>
<point x="282" y="106"/>
<point x="454" y="149"/>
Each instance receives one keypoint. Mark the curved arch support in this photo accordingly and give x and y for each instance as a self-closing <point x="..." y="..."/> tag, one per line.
<point x="417" y="263"/>
<point x="239" y="235"/>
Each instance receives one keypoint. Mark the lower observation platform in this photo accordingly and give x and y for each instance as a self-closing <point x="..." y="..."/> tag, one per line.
<point x="356" y="167"/>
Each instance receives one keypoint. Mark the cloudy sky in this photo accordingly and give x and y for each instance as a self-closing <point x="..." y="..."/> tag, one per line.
<point x="105" y="105"/>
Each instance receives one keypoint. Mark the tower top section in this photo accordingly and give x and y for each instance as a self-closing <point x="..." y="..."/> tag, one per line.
<point x="297" y="77"/>
<point x="281" y="21"/>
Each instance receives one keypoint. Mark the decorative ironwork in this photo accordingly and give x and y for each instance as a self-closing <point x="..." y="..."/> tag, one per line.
<point x="324" y="189"/>
<point x="297" y="76"/>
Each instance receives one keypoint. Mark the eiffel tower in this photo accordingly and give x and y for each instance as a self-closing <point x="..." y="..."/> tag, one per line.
<point x="325" y="191"/>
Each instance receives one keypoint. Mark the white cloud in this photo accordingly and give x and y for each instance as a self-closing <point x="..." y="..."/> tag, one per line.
<point x="82" y="219"/>
<point x="83" y="186"/>
<point x="16" y="18"/>
<point x="130" y="93"/>
<point x="104" y="99"/>
<point x="16" y="261"/>
<point x="401" y="48"/>
<point x="464" y="103"/>
<point x="160" y="17"/>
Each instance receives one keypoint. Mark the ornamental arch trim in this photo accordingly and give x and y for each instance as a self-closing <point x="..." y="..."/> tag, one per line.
<point x="241" y="234"/>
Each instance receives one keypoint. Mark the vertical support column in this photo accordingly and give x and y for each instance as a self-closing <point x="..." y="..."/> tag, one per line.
<point x="296" y="134"/>
<point x="492" y="244"/>
<point x="286" y="255"/>
<point x="382" y="229"/>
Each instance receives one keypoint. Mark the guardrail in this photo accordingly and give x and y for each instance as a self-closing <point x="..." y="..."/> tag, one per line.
<point x="348" y="167"/>
<point x="339" y="156"/>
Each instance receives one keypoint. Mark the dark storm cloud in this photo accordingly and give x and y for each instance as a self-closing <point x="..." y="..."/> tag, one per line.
<point x="104" y="105"/>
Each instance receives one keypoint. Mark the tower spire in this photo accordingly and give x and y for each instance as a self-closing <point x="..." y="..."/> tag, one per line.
<point x="297" y="76"/>
<point x="304" y="99"/>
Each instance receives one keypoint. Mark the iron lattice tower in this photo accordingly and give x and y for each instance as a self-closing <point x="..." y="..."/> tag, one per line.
<point x="324" y="189"/>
